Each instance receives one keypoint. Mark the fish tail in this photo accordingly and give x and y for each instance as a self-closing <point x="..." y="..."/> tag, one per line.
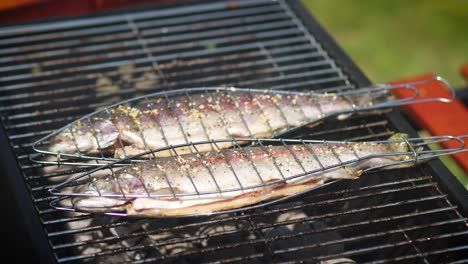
<point x="399" y="146"/>
<point x="382" y="96"/>
<point x="373" y="98"/>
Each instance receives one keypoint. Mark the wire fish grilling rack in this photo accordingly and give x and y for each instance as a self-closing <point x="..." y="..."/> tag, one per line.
<point x="292" y="162"/>
<point x="182" y="116"/>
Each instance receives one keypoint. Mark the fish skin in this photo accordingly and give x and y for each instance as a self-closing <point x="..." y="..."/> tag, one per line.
<point x="271" y="164"/>
<point x="81" y="139"/>
<point x="130" y="130"/>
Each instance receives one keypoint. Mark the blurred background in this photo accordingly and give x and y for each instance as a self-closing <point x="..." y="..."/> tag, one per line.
<point x="396" y="39"/>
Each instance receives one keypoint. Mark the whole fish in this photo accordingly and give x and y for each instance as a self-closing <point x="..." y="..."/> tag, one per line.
<point x="214" y="181"/>
<point x="125" y="129"/>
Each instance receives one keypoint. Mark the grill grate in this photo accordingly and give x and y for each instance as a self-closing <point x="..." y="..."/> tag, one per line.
<point x="54" y="73"/>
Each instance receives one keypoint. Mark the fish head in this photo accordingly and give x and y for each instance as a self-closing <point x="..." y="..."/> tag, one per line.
<point x="86" y="139"/>
<point x="108" y="193"/>
<point x="92" y="197"/>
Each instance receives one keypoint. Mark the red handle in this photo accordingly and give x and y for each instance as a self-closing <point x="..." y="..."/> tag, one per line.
<point x="436" y="117"/>
<point x="14" y="11"/>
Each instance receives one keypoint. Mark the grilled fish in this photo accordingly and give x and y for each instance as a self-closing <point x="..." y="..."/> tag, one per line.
<point x="125" y="129"/>
<point x="192" y="183"/>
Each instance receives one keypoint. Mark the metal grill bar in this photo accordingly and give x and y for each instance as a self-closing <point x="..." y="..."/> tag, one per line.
<point x="224" y="20"/>
<point x="66" y="220"/>
<point x="134" y="53"/>
<point x="260" y="241"/>
<point x="113" y="55"/>
<point x="210" y="171"/>
<point x="15" y="30"/>
<point x="380" y="247"/>
<point x="419" y="255"/>
<point x="271" y="157"/>
<point x="218" y="51"/>
<point x="427" y="254"/>
<point x="218" y="149"/>
<point x="203" y="80"/>
<point x="417" y="213"/>
<point x="83" y="97"/>
<point x="258" y="44"/>
<point x="246" y="55"/>
<point x="311" y="232"/>
<point x="67" y="232"/>
<point x="302" y="220"/>
<point x="312" y="40"/>
<point x="202" y="62"/>
<point x="176" y="117"/>
<point x="294" y="155"/>
<point x="205" y="62"/>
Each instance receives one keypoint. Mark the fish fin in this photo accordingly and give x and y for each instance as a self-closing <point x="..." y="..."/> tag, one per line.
<point x="355" y="174"/>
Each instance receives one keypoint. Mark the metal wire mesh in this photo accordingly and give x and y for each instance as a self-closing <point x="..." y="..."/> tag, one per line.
<point x="54" y="73"/>
<point x="285" y="159"/>
<point x="197" y="114"/>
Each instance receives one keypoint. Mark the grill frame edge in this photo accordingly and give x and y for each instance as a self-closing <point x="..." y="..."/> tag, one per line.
<point x="32" y="238"/>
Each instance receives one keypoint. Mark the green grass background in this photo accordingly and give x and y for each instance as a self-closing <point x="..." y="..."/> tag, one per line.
<point x="394" y="39"/>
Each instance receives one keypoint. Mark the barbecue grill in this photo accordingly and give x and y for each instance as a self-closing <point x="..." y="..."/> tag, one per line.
<point x="52" y="73"/>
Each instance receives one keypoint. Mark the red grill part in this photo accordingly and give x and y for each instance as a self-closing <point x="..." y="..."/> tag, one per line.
<point x="24" y="11"/>
<point x="438" y="118"/>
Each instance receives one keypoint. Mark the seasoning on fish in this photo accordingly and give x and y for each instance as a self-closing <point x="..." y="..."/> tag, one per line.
<point x="127" y="130"/>
<point x="197" y="184"/>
